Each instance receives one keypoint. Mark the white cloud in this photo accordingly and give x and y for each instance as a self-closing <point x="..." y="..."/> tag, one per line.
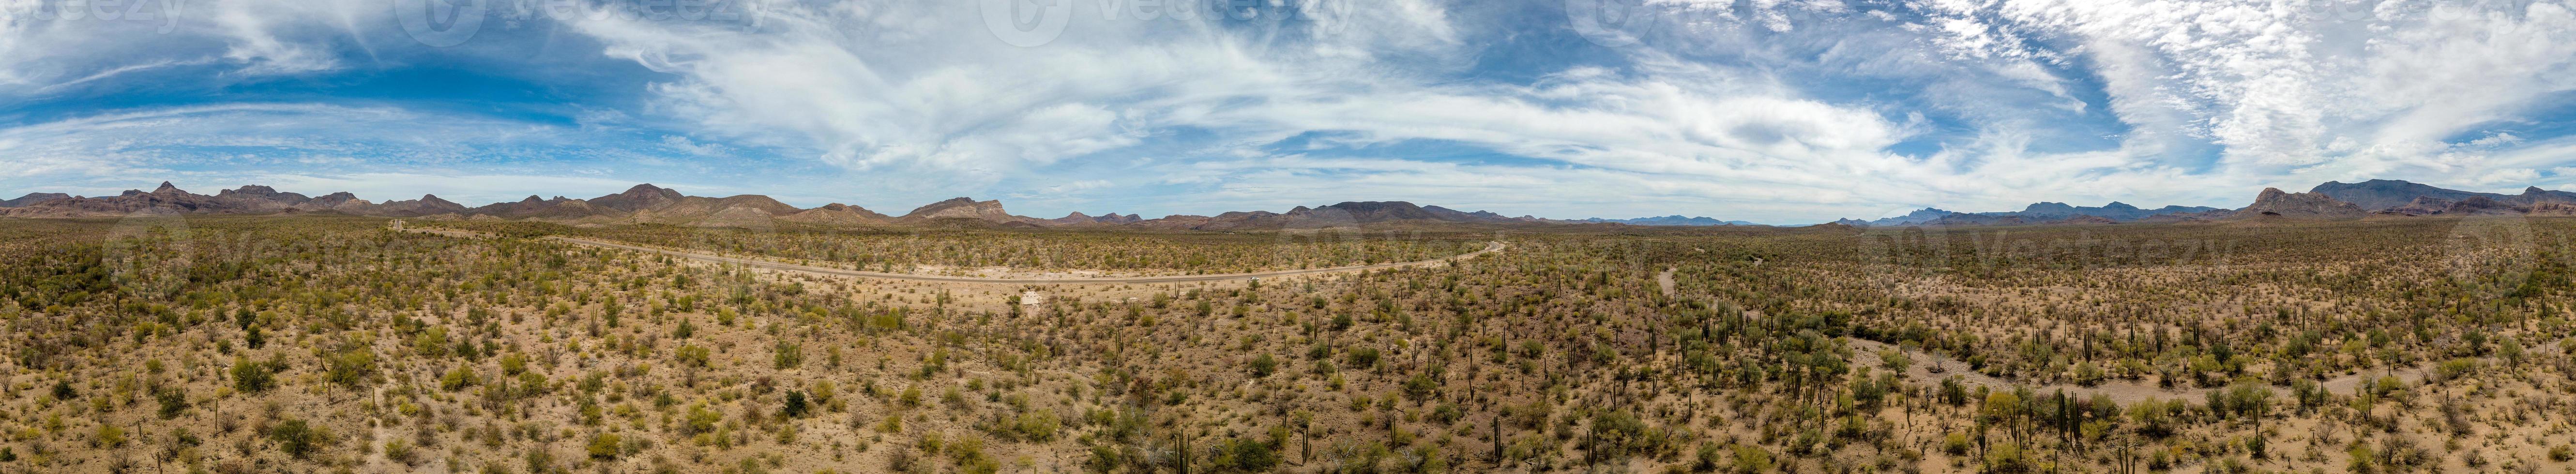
<point x="47" y="46"/>
<point x="2303" y="91"/>
<point x="1735" y="108"/>
<point x="961" y="101"/>
<point x="685" y="145"/>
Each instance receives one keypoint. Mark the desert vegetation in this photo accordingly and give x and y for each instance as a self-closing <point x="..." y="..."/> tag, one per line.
<point x="331" y="344"/>
<point x="1093" y="252"/>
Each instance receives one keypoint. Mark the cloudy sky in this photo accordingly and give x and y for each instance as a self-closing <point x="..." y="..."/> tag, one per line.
<point x="1782" y="111"/>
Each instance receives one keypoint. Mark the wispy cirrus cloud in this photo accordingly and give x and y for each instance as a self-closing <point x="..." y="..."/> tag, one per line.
<point x="1787" y="111"/>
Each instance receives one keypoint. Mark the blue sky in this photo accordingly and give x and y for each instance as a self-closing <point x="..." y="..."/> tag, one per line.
<point x="1783" y="111"/>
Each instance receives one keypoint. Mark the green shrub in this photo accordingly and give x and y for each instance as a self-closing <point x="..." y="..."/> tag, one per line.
<point x="1037" y="426"/>
<point x="1263" y="365"/>
<point x="514" y="364"/>
<point x="351" y="367"/>
<point x="796" y="406"/>
<point x="400" y="450"/>
<point x="173" y="402"/>
<point x="604" y="446"/>
<point x="788" y="355"/>
<point x="1750" y="459"/>
<point x="460" y="377"/>
<point x="1363" y="357"/>
<point x="693" y="355"/>
<point x="109" y="436"/>
<point x="298" y="438"/>
<point x="1248" y="455"/>
<point x="253" y="377"/>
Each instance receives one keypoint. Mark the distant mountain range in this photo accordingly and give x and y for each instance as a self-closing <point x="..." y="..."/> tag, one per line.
<point x="2330" y="201"/>
<point x="2041" y="213"/>
<point x="1671" y="220"/>
<point x="2382" y="197"/>
<point x="646" y="203"/>
<point x="2344" y="201"/>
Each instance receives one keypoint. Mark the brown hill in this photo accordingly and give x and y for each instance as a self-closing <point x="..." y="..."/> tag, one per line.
<point x="2203" y="216"/>
<point x="640" y="197"/>
<point x="2273" y="203"/>
<point x="2407" y="198"/>
<point x="1958" y="220"/>
<point x="964" y="208"/>
<point x="535" y="207"/>
<point x="333" y="199"/>
<point x="342" y="202"/>
<point x="838" y="214"/>
<point x="2388" y="194"/>
<point x="1078" y="218"/>
<point x="2553" y="209"/>
<point x="1349" y="214"/>
<point x="32" y="198"/>
<point x="707" y="211"/>
<point x="2421" y="206"/>
<point x="2083" y="220"/>
<point x="2484" y="206"/>
<point x="644" y="204"/>
<point x="164" y="199"/>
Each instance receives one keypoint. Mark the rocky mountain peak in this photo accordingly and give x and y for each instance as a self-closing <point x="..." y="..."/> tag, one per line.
<point x="264" y="193"/>
<point x="2044" y="206"/>
<point x="2273" y="202"/>
<point x="335" y="199"/>
<point x="649" y="190"/>
<point x="963" y="207"/>
<point x="640" y="197"/>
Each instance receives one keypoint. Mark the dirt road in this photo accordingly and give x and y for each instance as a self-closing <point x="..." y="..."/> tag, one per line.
<point x="1665" y="280"/>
